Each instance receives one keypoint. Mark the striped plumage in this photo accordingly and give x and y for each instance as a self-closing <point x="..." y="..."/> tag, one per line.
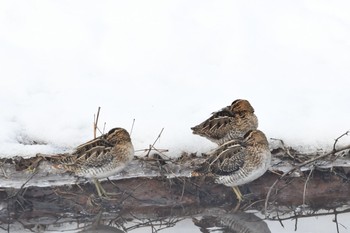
<point x="244" y="223"/>
<point x="101" y="157"/>
<point x="238" y="162"/>
<point x="230" y="123"/>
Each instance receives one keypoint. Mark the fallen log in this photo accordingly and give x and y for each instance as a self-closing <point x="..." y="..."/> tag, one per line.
<point x="161" y="183"/>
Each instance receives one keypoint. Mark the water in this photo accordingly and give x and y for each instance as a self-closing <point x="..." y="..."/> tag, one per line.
<point x="207" y="220"/>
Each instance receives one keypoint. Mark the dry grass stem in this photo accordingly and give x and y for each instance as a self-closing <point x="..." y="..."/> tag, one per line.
<point x="152" y="146"/>
<point x="132" y="126"/>
<point x="305" y="185"/>
<point x="96" y="121"/>
<point x="338" y="138"/>
<point x="284" y="147"/>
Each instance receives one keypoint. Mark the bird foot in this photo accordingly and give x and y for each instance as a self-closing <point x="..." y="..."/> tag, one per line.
<point x="107" y="195"/>
<point x="236" y="208"/>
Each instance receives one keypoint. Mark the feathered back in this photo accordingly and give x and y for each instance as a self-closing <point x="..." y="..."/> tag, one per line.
<point x="231" y="122"/>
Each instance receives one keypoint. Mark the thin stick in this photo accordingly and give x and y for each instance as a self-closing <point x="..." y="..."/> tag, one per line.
<point x="151" y="146"/>
<point x="305" y="185"/>
<point x="3" y="171"/>
<point x="286" y="149"/>
<point x="296" y="222"/>
<point x="337" y="139"/>
<point x="132" y="126"/>
<point x="104" y="128"/>
<point x="308" y="215"/>
<point x="336" y="220"/>
<point x="22" y="186"/>
<point x="183" y="190"/>
<point x="159" y="150"/>
<point x="299" y="166"/>
<point x="158" y="137"/>
<point x="96" y="121"/>
<point x="279" y="219"/>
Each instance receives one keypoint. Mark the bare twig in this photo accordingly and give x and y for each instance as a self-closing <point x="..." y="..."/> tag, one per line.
<point x="286" y="149"/>
<point x="3" y="170"/>
<point x="305" y="185"/>
<point x="336" y="219"/>
<point x="18" y="196"/>
<point x="296" y="222"/>
<point x="96" y="121"/>
<point x="183" y="190"/>
<point x="132" y="126"/>
<point x="159" y="150"/>
<point x="299" y="166"/>
<point x="337" y="139"/>
<point x="152" y="146"/>
<point x="104" y="128"/>
<point x="247" y="207"/>
<point x="279" y="220"/>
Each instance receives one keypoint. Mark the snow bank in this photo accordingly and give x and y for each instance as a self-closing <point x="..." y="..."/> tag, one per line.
<point x="170" y="64"/>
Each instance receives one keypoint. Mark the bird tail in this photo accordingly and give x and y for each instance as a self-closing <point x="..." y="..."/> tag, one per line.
<point x="56" y="160"/>
<point x="202" y="170"/>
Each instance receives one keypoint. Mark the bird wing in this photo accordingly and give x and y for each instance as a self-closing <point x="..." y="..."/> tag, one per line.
<point x="95" y="157"/>
<point x="97" y="142"/>
<point x="217" y="125"/>
<point x="224" y="160"/>
<point x="228" y="161"/>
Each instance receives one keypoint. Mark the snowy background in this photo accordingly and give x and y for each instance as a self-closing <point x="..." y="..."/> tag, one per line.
<point x="170" y="64"/>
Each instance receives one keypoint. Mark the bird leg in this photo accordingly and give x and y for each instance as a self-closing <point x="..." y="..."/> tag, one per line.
<point x="238" y="193"/>
<point x="100" y="190"/>
<point x="239" y="197"/>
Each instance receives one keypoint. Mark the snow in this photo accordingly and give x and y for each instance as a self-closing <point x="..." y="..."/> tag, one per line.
<point x="169" y="64"/>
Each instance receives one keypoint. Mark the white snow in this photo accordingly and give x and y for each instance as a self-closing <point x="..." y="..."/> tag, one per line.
<point x="170" y="64"/>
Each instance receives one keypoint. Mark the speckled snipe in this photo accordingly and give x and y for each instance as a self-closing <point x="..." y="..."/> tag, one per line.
<point x="231" y="122"/>
<point x="101" y="157"/>
<point x="238" y="162"/>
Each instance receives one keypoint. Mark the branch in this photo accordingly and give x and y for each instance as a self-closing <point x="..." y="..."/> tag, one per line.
<point x="337" y="139"/>
<point x="334" y="151"/>
<point x="152" y="146"/>
<point x="308" y="215"/>
<point x="305" y="185"/>
<point x="96" y="121"/>
<point x="132" y="126"/>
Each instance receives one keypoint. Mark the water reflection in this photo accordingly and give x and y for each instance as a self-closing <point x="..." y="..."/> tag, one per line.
<point x="232" y="222"/>
<point x="206" y="220"/>
<point x="102" y="229"/>
<point x="98" y="226"/>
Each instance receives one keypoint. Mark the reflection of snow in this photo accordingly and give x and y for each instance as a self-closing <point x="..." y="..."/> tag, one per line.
<point x="322" y="223"/>
<point x="170" y="65"/>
